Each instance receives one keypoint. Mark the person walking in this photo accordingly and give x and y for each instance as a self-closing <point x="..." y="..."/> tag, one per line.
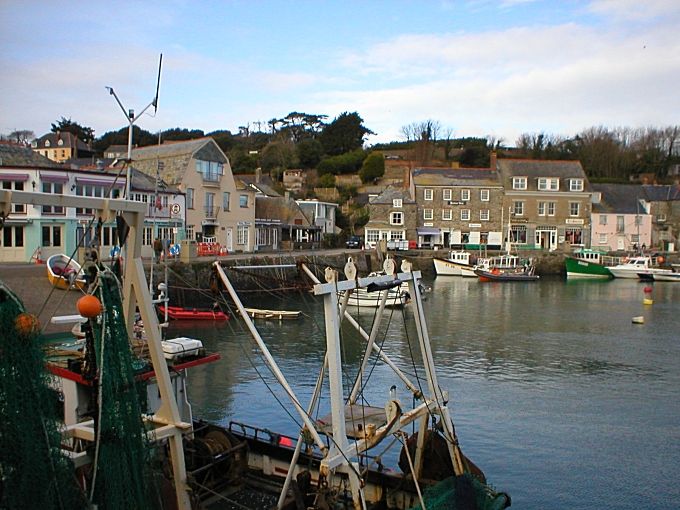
<point x="158" y="249"/>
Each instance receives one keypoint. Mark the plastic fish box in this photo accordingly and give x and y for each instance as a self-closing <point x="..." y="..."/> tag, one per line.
<point x="181" y="347"/>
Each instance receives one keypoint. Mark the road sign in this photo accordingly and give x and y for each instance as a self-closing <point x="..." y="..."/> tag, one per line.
<point x="176" y="208"/>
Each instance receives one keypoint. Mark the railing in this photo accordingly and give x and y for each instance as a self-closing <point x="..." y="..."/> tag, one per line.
<point x="211" y="176"/>
<point x="153" y="212"/>
<point x="211" y="211"/>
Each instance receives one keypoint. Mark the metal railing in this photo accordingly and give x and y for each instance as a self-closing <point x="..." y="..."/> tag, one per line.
<point x="211" y="211"/>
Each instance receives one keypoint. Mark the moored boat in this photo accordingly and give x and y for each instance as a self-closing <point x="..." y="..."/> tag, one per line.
<point x="587" y="263"/>
<point x="498" y="275"/>
<point x="666" y="277"/>
<point x="63" y="272"/>
<point x="260" y="313"/>
<point x="634" y="266"/>
<point x="455" y="264"/>
<point x="180" y="313"/>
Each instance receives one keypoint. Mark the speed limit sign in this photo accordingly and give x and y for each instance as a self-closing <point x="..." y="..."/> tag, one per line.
<point x="175" y="209"/>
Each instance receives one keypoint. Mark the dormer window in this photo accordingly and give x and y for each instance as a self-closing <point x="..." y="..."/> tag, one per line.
<point x="548" y="184"/>
<point x="60" y="142"/>
<point x="47" y="143"/>
<point x="576" y="185"/>
<point x="519" y="183"/>
<point x="397" y="202"/>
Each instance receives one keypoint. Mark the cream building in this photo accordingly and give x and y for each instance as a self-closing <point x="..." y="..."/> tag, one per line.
<point x="218" y="208"/>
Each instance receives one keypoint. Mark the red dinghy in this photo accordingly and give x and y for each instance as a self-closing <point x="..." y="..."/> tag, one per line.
<point x="179" y="313"/>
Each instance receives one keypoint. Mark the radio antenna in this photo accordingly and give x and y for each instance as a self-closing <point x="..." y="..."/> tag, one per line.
<point x="158" y="84"/>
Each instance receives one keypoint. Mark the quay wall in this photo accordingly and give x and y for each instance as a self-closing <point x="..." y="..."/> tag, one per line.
<point x="186" y="276"/>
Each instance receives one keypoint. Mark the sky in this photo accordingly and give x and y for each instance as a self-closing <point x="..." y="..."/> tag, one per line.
<point x="477" y="67"/>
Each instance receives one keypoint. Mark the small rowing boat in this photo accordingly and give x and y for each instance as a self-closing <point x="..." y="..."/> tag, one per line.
<point x="180" y="313"/>
<point x="64" y="272"/>
<point x="257" y="313"/>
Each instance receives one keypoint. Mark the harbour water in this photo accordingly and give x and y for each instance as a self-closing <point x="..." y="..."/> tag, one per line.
<point x="556" y="394"/>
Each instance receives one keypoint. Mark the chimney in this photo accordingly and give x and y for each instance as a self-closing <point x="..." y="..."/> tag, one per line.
<point x="492" y="160"/>
<point x="407" y="178"/>
<point x="258" y="175"/>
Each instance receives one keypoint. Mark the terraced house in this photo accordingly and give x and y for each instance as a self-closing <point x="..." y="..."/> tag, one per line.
<point x="548" y="202"/>
<point x="392" y="217"/>
<point x="458" y="207"/>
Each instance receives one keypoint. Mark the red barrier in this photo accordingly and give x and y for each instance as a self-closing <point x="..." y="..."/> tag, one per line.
<point x="208" y="249"/>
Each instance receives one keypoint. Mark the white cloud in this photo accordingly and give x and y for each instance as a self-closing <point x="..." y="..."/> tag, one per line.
<point x="635" y="9"/>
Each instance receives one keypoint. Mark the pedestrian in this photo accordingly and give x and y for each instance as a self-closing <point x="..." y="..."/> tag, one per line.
<point x="158" y="249"/>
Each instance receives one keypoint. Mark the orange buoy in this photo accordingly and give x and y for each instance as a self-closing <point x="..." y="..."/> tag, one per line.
<point x="26" y="324"/>
<point x="648" y="290"/>
<point x="660" y="260"/>
<point x="89" y="306"/>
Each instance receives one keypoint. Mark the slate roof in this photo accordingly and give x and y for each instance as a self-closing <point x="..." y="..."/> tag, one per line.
<point x="663" y="193"/>
<point x="18" y="156"/>
<point x="265" y="186"/>
<point x="455" y="177"/>
<point x="541" y="168"/>
<point x="390" y="193"/>
<point x="283" y="209"/>
<point x="170" y="149"/>
<point x="619" y="198"/>
<point x="68" y="140"/>
<point x="139" y="181"/>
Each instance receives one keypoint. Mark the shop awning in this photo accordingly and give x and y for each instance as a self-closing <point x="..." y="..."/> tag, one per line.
<point x="428" y="231"/>
<point x="53" y="177"/>
<point x="13" y="177"/>
<point x="100" y="182"/>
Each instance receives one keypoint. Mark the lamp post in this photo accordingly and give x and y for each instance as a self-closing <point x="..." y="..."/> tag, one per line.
<point x="130" y="116"/>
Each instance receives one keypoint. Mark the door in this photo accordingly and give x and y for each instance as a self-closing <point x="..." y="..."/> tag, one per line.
<point x="12" y="244"/>
<point x="620" y="244"/>
<point x="230" y="239"/>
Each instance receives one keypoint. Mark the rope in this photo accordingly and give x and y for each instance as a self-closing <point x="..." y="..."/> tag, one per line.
<point x="413" y="472"/>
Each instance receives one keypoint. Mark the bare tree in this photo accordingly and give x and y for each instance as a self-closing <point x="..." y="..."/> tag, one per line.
<point x="22" y="136"/>
<point x="423" y="136"/>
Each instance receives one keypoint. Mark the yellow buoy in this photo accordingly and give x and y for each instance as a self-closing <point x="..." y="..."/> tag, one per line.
<point x="647" y="301"/>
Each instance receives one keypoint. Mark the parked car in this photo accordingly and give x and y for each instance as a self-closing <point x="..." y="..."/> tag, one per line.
<point x="355" y="242"/>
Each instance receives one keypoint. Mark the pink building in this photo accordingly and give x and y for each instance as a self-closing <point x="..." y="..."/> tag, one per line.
<point x="619" y="219"/>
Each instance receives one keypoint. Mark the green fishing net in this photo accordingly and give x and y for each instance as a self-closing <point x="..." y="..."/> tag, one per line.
<point x="124" y="477"/>
<point x="464" y="492"/>
<point x="33" y="471"/>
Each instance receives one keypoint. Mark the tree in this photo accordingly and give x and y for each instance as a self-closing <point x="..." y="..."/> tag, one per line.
<point x="298" y="126"/>
<point x="309" y="152"/>
<point x="242" y="162"/>
<point x="373" y="167"/>
<point x="327" y="181"/>
<point x="177" y="134"/>
<point x="22" y="136"/>
<point x="345" y="134"/>
<point x="423" y="136"/>
<point x="278" y="156"/>
<point x="84" y="133"/>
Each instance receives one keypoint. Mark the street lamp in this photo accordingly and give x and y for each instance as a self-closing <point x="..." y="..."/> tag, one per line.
<point x="130" y="116"/>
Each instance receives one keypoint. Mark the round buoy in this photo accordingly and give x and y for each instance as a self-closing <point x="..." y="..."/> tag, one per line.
<point x="660" y="260"/>
<point x="26" y="324"/>
<point x="89" y="306"/>
<point x="648" y="290"/>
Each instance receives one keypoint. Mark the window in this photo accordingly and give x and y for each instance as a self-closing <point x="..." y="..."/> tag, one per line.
<point x="551" y="208"/>
<point x="51" y="235"/>
<point x="446" y="195"/>
<point x="574" y="208"/>
<point x="546" y="208"/>
<point x="518" y="234"/>
<point x="635" y="238"/>
<point x="396" y="218"/>
<point x="56" y="188"/>
<point x="428" y="214"/>
<point x="660" y="218"/>
<point x="447" y="214"/>
<point x="12" y="236"/>
<point x="243" y="200"/>
<point x="210" y="211"/>
<point x="465" y="195"/>
<point x="372" y="236"/>
<point x="242" y="234"/>
<point x="211" y="170"/>
<point x="519" y="183"/>
<point x="47" y="143"/>
<point x="603" y="238"/>
<point x="541" y="208"/>
<point x="190" y="198"/>
<point x="147" y="236"/>
<point x="397" y="235"/>
<point x="575" y="184"/>
<point x="397" y="202"/>
<point x="638" y="220"/>
<point x="484" y="195"/>
<point x="226" y="197"/>
<point x="620" y="224"/>
<point x="18" y="186"/>
<point x="518" y="208"/>
<point x="484" y="215"/>
<point x="108" y="236"/>
<point x="548" y="184"/>
<point x="574" y="236"/>
<point x="189" y="231"/>
<point x="465" y="214"/>
<point x="603" y="219"/>
<point x="427" y="194"/>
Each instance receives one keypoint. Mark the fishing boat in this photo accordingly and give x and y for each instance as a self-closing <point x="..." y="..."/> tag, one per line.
<point x="499" y="275"/>
<point x="639" y="265"/>
<point x="587" y="263"/>
<point x="128" y="455"/>
<point x="193" y="314"/>
<point x="458" y="263"/>
<point x="63" y="272"/>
